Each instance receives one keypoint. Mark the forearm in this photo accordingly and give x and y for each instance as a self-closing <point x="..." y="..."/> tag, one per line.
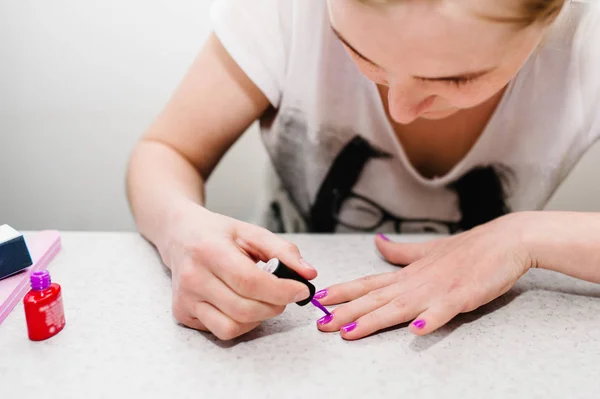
<point x="159" y="180"/>
<point x="565" y="242"/>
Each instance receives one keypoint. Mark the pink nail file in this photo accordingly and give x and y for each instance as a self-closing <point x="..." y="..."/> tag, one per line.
<point x="43" y="247"/>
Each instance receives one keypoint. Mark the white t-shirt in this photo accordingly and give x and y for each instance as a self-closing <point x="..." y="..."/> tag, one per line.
<point x="338" y="165"/>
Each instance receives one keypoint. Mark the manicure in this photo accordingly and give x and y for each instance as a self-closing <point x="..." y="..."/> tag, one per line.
<point x="349" y="327"/>
<point x="320" y="294"/>
<point x="383" y="237"/>
<point x="325" y="320"/>
<point x="420" y="324"/>
<point x="306" y="265"/>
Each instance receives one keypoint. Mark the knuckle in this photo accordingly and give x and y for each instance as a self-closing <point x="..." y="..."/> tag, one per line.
<point x="467" y="306"/>
<point x="367" y="281"/>
<point x="379" y="297"/>
<point x="228" y="331"/>
<point x="187" y="281"/>
<point x="401" y="274"/>
<point x="290" y="247"/>
<point x="199" y="251"/>
<point x="278" y="310"/>
<point x="245" y="283"/>
<point x="465" y="295"/>
<point x="186" y="277"/>
<point x="462" y="304"/>
<point x="462" y="301"/>
<point x="400" y="303"/>
<point x="179" y="311"/>
<point x="285" y="248"/>
<point x="244" y="313"/>
<point x="472" y="300"/>
<point x="456" y="284"/>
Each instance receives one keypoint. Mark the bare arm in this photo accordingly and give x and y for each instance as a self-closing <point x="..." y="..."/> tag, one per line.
<point x="214" y="104"/>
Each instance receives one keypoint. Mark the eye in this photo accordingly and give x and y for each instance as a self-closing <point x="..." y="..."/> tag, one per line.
<point x="459" y="82"/>
<point x="456" y="82"/>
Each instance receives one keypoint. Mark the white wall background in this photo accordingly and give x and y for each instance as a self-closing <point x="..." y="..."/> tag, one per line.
<point x="80" y="80"/>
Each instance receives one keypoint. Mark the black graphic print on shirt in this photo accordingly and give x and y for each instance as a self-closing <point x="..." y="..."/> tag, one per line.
<point x="481" y="192"/>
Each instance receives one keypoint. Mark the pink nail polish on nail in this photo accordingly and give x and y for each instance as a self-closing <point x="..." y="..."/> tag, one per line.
<point x="349" y="327"/>
<point x="325" y="320"/>
<point x="383" y="237"/>
<point x="420" y="324"/>
<point x="320" y="294"/>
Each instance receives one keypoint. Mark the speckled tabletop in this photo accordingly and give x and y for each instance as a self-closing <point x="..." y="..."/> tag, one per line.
<point x="540" y="340"/>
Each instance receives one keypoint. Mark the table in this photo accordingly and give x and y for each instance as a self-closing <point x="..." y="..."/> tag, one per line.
<point x="542" y="339"/>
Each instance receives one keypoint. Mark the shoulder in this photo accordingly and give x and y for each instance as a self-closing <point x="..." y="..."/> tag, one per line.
<point x="571" y="51"/>
<point x="587" y="37"/>
<point x="260" y="36"/>
<point x="587" y="53"/>
<point x="579" y="25"/>
<point x="287" y="13"/>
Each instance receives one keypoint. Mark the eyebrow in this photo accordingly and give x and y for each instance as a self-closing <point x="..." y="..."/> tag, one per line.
<point x="462" y="76"/>
<point x="339" y="36"/>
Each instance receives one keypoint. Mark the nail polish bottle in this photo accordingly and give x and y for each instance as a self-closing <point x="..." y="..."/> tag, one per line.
<point x="279" y="269"/>
<point x="44" y="311"/>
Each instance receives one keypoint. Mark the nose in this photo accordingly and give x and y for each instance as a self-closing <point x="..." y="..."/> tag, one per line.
<point x="407" y="103"/>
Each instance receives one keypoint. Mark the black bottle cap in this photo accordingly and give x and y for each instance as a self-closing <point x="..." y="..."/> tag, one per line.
<point x="279" y="269"/>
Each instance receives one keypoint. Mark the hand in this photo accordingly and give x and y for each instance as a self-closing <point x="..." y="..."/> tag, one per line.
<point x="217" y="286"/>
<point x="443" y="278"/>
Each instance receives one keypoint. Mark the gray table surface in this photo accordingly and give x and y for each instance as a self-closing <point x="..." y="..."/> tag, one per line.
<point x="540" y="340"/>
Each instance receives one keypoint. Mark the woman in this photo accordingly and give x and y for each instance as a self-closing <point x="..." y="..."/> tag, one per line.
<point x="455" y="116"/>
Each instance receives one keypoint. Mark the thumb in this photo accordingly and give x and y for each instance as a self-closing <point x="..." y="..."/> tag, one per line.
<point x="402" y="254"/>
<point x="265" y="245"/>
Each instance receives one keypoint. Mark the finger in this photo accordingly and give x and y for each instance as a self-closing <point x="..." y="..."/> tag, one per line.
<point x="399" y="310"/>
<point x="403" y="254"/>
<point x="218" y="323"/>
<point x="192" y="322"/>
<point x="349" y="291"/>
<point x="238" y="308"/>
<point x="182" y="311"/>
<point x="245" y="278"/>
<point x="265" y="245"/>
<point x="352" y="311"/>
<point x="435" y="317"/>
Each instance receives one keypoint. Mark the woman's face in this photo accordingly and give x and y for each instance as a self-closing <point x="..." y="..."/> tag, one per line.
<point x="435" y="57"/>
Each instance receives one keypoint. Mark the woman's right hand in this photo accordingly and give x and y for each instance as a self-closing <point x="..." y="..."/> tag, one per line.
<point x="217" y="286"/>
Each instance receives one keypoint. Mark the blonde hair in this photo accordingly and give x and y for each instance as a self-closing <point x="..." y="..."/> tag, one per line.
<point x="530" y="11"/>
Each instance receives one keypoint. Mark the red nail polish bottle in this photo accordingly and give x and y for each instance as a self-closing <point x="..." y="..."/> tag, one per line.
<point x="43" y="307"/>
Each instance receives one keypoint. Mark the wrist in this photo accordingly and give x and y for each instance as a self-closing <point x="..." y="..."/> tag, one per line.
<point x="530" y="233"/>
<point x="523" y="226"/>
<point x="173" y="227"/>
<point x="542" y="235"/>
<point x="565" y="242"/>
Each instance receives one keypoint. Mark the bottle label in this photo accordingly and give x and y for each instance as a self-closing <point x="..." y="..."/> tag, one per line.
<point x="54" y="317"/>
<point x="270" y="266"/>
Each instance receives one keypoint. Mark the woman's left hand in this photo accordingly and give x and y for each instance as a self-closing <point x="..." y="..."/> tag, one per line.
<point x="445" y="277"/>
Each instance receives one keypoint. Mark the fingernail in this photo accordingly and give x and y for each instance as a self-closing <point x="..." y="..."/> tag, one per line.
<point x="306" y="265"/>
<point x="320" y="294"/>
<point x="349" y="327"/>
<point x="325" y="320"/>
<point x="420" y="324"/>
<point x="302" y="295"/>
<point x="383" y="237"/>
